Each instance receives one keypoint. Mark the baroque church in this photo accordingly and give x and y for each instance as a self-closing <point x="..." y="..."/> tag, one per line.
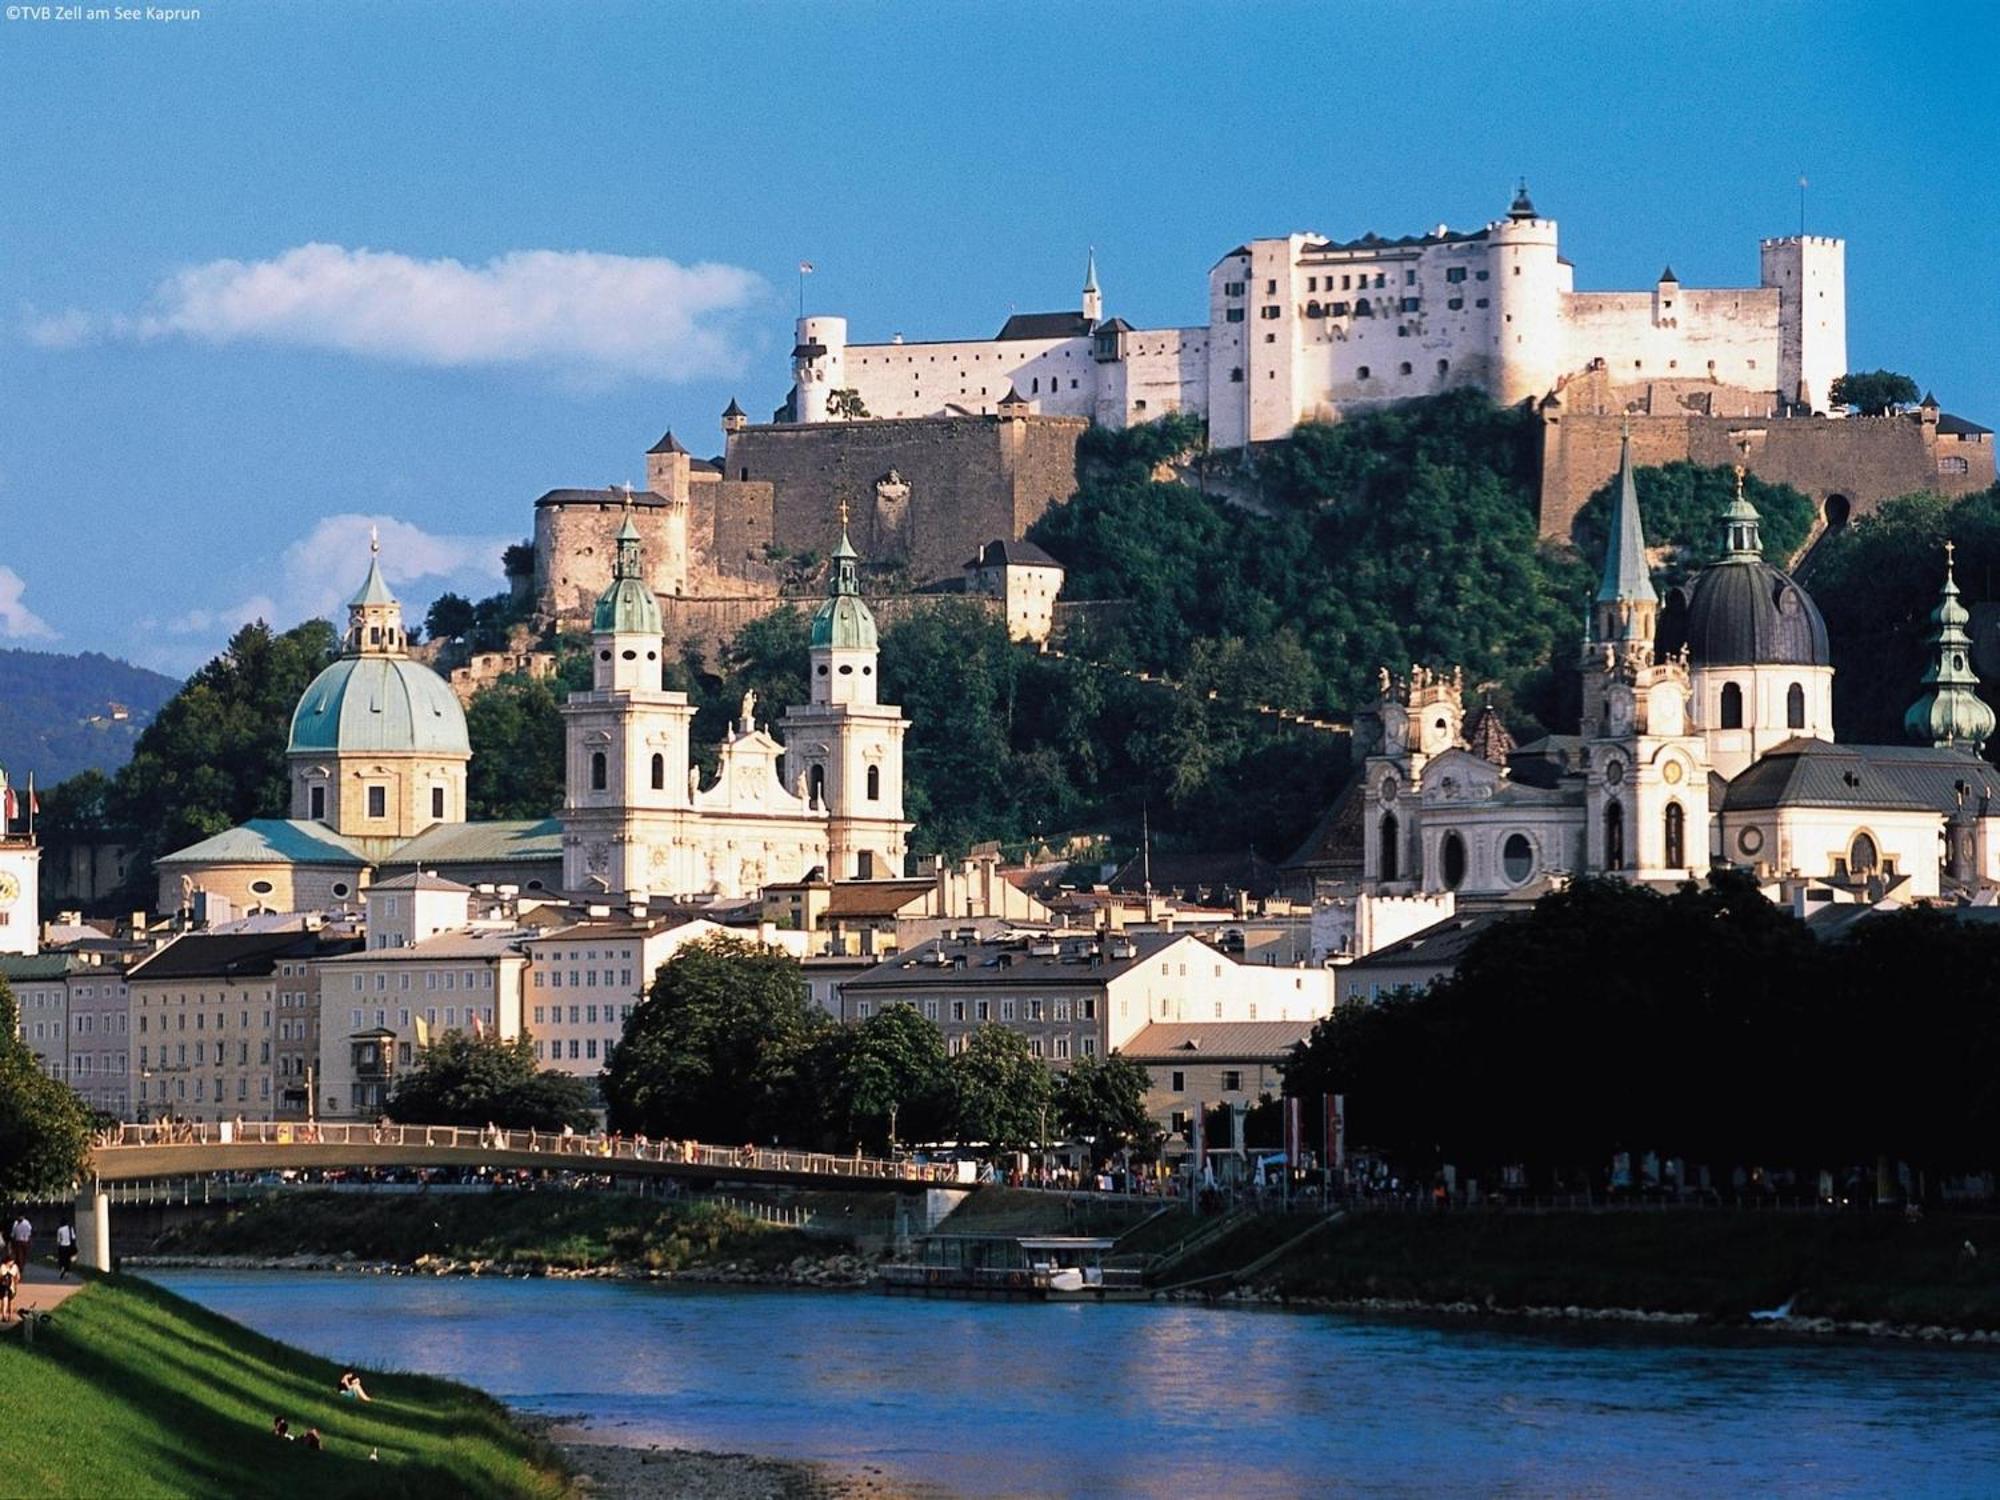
<point x="1706" y="739"/>
<point x="378" y="754"/>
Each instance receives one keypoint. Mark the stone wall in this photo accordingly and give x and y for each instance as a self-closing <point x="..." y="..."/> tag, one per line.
<point x="1848" y="465"/>
<point x="576" y="543"/>
<point x="708" y="624"/>
<point x="959" y="482"/>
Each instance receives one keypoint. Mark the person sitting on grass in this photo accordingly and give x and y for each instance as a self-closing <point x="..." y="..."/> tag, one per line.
<point x="280" y="1428"/>
<point x="312" y="1439"/>
<point x="351" y="1388"/>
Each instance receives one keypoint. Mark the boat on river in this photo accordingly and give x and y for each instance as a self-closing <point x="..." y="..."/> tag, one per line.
<point x="1034" y="1268"/>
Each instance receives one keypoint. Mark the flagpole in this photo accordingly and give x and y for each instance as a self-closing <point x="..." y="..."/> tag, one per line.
<point x="31" y="807"/>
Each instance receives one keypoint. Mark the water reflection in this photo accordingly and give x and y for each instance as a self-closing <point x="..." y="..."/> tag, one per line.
<point x="1143" y="1400"/>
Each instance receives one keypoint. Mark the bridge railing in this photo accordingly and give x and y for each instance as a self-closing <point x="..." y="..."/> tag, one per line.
<point x="589" y="1152"/>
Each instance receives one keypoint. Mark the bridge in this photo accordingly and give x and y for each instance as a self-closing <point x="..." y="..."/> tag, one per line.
<point x="130" y="1153"/>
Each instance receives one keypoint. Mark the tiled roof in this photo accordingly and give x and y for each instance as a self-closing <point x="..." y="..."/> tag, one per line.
<point x="1216" y="1041"/>
<point x="643" y="499"/>
<point x="420" y="880"/>
<point x="1014" y="962"/>
<point x="1442" y="943"/>
<point x="528" y="841"/>
<point x="1906" y="778"/>
<point x="270" y="841"/>
<point x="243" y="955"/>
<point x="1002" y="554"/>
<point x="1960" y="427"/>
<point x="1334" y="848"/>
<point x="1048" y="325"/>
<point x="1373" y="241"/>
<point x="465" y="943"/>
<point x="874" y="898"/>
<point x="1227" y="870"/>
<point x="18" y="968"/>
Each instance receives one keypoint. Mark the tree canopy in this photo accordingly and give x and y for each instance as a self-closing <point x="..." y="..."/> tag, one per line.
<point x="1003" y="1091"/>
<point x="467" y="1080"/>
<point x="723" y="1048"/>
<point x="1873" y="393"/>
<point x="892" y="1064"/>
<point x="44" y="1124"/>
<point x="1103" y="1101"/>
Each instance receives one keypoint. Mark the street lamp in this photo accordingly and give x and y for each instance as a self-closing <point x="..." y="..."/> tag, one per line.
<point x="892" y="1130"/>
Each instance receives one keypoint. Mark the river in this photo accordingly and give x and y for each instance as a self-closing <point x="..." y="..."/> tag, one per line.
<point x="1173" y="1399"/>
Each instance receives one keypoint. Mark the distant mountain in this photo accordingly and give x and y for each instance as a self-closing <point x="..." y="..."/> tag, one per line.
<point x="64" y="714"/>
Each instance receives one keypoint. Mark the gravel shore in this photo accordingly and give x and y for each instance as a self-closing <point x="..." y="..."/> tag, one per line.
<point x="615" y="1471"/>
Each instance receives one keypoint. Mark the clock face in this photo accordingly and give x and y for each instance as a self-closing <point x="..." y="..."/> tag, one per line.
<point x="1672" y="771"/>
<point x="10" y="889"/>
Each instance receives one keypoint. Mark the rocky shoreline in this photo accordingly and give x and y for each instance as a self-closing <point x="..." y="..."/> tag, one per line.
<point x="1791" y="1327"/>
<point x="826" y="1273"/>
<point x="610" y="1470"/>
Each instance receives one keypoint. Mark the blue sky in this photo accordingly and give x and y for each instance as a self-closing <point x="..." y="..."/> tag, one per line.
<point x="202" y="415"/>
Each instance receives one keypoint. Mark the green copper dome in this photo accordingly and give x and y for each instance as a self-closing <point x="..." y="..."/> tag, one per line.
<point x="844" y="622"/>
<point x="1950" y="712"/>
<point x="629" y="606"/>
<point x="388" y="705"/>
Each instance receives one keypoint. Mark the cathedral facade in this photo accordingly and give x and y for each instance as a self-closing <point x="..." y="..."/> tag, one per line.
<point x="1706" y="739"/>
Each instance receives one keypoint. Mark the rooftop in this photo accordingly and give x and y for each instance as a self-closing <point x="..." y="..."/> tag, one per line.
<point x="1442" y="944"/>
<point x="1906" y="778"/>
<point x="1003" y="554"/>
<point x="235" y="955"/>
<point x="1217" y="1041"/>
<point x="472" y="943"/>
<point x="1054" y="959"/>
<point x="420" y="880"/>
<point x="524" y="841"/>
<point x="1046" y="325"/>
<point x="645" y="499"/>
<point x="270" y="841"/>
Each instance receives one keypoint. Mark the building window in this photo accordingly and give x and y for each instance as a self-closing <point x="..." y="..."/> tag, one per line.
<point x="1270" y="312"/>
<point x="1362" y="373"/>
<point x="1454" y="861"/>
<point x="1232" y="315"/>
<point x="1388" y="861"/>
<point x="816" y="786"/>
<point x="1232" y="1081"/>
<point x="316" y="803"/>
<point x="437" y="803"/>
<point x="378" y="802"/>
<point x="1862" y="857"/>
<point x="598" y="771"/>
<point x="1444" y="367"/>
<point x="1517" y="858"/>
<point x="1795" y="706"/>
<point x="1404" y="368"/>
<point x="1614" y="836"/>
<point x="1178" y="1083"/>
<point x="874" y="783"/>
<point x="1732" y="706"/>
<point x="659" y="773"/>
<point x="1676" y="832"/>
<point x="1236" y="375"/>
<point x="1409" y="304"/>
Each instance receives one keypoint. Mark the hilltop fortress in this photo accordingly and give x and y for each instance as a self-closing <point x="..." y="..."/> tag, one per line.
<point x="940" y="449"/>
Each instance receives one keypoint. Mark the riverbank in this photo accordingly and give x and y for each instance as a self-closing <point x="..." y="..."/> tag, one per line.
<point x="556" y="1234"/>
<point x="1874" y="1275"/>
<point x="130" y="1390"/>
<point x="623" y="1471"/>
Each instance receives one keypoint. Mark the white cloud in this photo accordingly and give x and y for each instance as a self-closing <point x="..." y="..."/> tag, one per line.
<point x="17" y="621"/>
<point x="576" y="311"/>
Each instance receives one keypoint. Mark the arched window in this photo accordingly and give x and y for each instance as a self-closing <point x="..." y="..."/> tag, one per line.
<point x="1390" y="845"/>
<point x="659" y="773"/>
<point x="816" y="785"/>
<point x="1454" y="861"/>
<point x="1861" y="856"/>
<point x="1732" y="706"/>
<point x="1795" y="706"/>
<point x="1614" y="836"/>
<point x="1676" y="830"/>
<point x="598" y="773"/>
<point x="874" y="783"/>
<point x="1517" y="858"/>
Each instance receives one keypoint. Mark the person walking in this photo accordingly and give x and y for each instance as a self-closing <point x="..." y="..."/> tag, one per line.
<point x="10" y="1281"/>
<point x="22" y="1237"/>
<point x="65" y="1249"/>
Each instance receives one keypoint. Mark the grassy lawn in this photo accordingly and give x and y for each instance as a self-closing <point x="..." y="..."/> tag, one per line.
<point x="1864" y="1267"/>
<point x="526" y="1230"/>
<point x="130" y="1391"/>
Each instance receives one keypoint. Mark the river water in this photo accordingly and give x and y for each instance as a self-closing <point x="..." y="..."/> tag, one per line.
<point x="1170" y="1399"/>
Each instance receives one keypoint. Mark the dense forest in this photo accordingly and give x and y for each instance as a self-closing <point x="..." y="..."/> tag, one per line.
<point x="58" y="714"/>
<point x="1399" y="537"/>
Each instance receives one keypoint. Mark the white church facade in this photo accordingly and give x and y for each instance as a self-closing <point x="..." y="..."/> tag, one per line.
<point x="379" y="753"/>
<point x="1706" y="740"/>
<point x="1304" y="328"/>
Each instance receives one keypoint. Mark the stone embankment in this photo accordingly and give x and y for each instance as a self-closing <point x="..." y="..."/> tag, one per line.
<point x="831" y="1271"/>
<point x="1266" y="1296"/>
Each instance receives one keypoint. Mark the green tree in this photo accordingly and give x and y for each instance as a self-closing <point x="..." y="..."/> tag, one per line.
<point x="449" y="617"/>
<point x="467" y="1080"/>
<point x="891" y="1066"/>
<point x="516" y="732"/>
<point x="724" y="1048"/>
<point x="44" y="1125"/>
<point x="1873" y="393"/>
<point x="1681" y="506"/>
<point x="1002" y="1093"/>
<point x="846" y="403"/>
<point x="215" y="756"/>
<point x="1103" y="1101"/>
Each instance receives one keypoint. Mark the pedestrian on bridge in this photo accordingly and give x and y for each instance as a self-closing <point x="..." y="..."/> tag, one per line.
<point x="21" y="1236"/>
<point x="65" y="1249"/>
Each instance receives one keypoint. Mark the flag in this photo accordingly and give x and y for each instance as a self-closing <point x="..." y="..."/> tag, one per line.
<point x="478" y="1025"/>
<point x="12" y="807"/>
<point x="1802" y="179"/>
<point x="805" y="268"/>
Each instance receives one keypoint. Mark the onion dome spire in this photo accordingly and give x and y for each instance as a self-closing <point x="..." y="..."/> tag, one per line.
<point x="1950" y="712"/>
<point x="1742" y="541"/>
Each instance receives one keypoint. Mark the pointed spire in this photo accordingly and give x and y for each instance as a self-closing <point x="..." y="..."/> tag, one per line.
<point x="668" y="443"/>
<point x="1090" y="271"/>
<point x="374" y="588"/>
<point x="1668" y="275"/>
<point x="1950" y="712"/>
<point x="1741" y="540"/>
<point x="1626" y="576"/>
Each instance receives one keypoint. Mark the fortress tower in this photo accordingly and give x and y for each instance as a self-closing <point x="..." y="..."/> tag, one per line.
<point x="1810" y="275"/>
<point x="1529" y="280"/>
<point x="819" y="366"/>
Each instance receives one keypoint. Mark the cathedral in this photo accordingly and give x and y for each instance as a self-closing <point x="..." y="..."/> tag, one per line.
<point x="1706" y="739"/>
<point x="378" y="754"/>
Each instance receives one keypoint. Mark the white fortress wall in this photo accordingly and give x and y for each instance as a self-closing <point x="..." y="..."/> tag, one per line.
<point x="1726" y="334"/>
<point x="1057" y="376"/>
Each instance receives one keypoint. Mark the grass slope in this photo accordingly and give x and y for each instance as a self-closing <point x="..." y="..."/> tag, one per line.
<point x="132" y="1392"/>
<point x="573" y="1231"/>
<point x="1863" y="1267"/>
